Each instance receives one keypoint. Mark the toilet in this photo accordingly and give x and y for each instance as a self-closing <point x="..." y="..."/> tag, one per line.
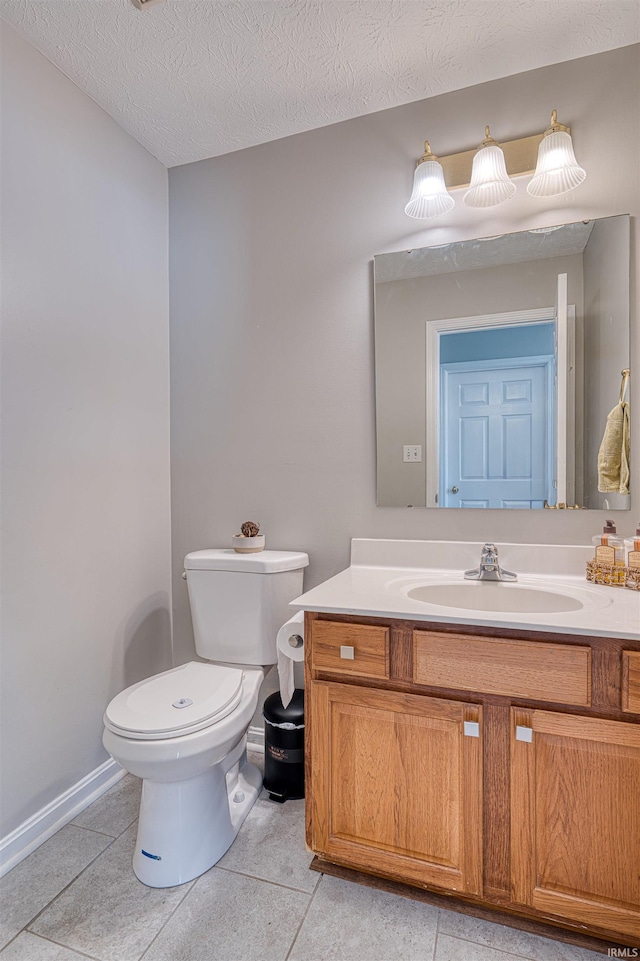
<point x="184" y="731"/>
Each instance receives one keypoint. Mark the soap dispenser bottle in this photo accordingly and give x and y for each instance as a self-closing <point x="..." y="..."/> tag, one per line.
<point x="632" y="554"/>
<point x="609" y="556"/>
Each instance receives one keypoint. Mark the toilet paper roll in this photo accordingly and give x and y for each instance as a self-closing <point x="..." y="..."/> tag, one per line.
<point x="290" y="639"/>
<point x="290" y="645"/>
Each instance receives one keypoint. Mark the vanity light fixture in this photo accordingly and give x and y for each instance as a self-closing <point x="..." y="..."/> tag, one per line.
<point x="557" y="170"/>
<point x="430" y="197"/>
<point x="490" y="183"/>
<point x="487" y="171"/>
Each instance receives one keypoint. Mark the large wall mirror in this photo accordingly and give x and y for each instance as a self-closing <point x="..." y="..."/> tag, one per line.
<point x="497" y="363"/>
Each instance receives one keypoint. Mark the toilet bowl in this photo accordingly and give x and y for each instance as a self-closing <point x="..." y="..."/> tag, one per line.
<point x="198" y="786"/>
<point x="184" y="732"/>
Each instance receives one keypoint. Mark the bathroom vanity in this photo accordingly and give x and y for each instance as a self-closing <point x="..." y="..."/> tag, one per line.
<point x="491" y="754"/>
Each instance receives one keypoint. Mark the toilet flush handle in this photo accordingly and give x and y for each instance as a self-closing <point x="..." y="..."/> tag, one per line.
<point x="184" y="575"/>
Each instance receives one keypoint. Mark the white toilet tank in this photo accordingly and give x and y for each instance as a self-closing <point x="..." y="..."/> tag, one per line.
<point x="239" y="601"/>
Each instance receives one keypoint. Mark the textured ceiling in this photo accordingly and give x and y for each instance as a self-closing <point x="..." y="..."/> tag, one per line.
<point x="191" y="79"/>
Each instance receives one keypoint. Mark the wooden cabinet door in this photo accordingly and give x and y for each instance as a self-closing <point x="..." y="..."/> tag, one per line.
<point x="396" y="784"/>
<point x="575" y="818"/>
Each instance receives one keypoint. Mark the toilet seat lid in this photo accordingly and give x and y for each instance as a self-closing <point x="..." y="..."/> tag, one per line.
<point x="180" y="701"/>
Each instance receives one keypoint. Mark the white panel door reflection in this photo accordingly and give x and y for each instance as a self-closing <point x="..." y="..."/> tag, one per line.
<point x="497" y="433"/>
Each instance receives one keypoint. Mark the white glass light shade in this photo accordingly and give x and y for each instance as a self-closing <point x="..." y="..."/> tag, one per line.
<point x="430" y="197"/>
<point x="490" y="184"/>
<point x="557" y="170"/>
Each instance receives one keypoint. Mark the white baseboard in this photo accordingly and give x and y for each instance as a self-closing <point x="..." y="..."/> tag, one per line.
<point x="44" y="823"/>
<point x="255" y="737"/>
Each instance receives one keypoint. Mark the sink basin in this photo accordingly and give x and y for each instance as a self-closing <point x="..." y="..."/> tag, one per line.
<point x="495" y="596"/>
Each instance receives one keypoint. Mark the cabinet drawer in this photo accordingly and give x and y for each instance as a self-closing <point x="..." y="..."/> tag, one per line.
<point x="355" y="649"/>
<point x="560" y="673"/>
<point x="631" y="682"/>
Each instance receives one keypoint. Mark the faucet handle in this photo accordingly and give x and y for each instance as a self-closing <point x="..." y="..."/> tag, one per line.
<point x="489" y="568"/>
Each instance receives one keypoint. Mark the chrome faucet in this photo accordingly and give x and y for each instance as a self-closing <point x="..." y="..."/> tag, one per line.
<point x="489" y="569"/>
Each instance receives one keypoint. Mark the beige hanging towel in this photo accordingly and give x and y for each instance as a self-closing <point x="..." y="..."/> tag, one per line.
<point x="615" y="449"/>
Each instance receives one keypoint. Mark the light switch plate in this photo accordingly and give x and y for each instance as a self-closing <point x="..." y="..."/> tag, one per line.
<point x="412" y="453"/>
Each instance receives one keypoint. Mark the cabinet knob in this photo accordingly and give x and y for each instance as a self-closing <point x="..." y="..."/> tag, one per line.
<point x="524" y="733"/>
<point x="454" y="490"/>
<point x="471" y="729"/>
<point x="347" y="653"/>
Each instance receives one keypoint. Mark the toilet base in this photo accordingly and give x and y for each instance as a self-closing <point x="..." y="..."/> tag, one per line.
<point x="186" y="826"/>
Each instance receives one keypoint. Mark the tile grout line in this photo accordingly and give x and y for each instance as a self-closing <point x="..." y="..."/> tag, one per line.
<point x="105" y="834"/>
<point x="435" y="940"/>
<point x="500" y="952"/>
<point x="191" y="887"/>
<point x="42" y="937"/>
<point x="215" y="867"/>
<point x="304" y="918"/>
<point x="26" y="928"/>
<point x="492" y="947"/>
<point x="50" y="903"/>
<point x="254" y="877"/>
<point x="66" y="888"/>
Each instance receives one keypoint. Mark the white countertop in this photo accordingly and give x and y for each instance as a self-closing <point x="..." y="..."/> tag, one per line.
<point x="382" y="572"/>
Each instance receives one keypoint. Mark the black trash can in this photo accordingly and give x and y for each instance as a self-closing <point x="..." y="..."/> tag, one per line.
<point x="284" y="747"/>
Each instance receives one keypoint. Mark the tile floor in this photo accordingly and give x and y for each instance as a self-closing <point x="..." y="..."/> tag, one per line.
<point x="77" y="897"/>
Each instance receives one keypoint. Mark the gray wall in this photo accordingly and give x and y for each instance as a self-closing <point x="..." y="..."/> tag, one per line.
<point x="85" y="444"/>
<point x="605" y="301"/>
<point x="272" y="319"/>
